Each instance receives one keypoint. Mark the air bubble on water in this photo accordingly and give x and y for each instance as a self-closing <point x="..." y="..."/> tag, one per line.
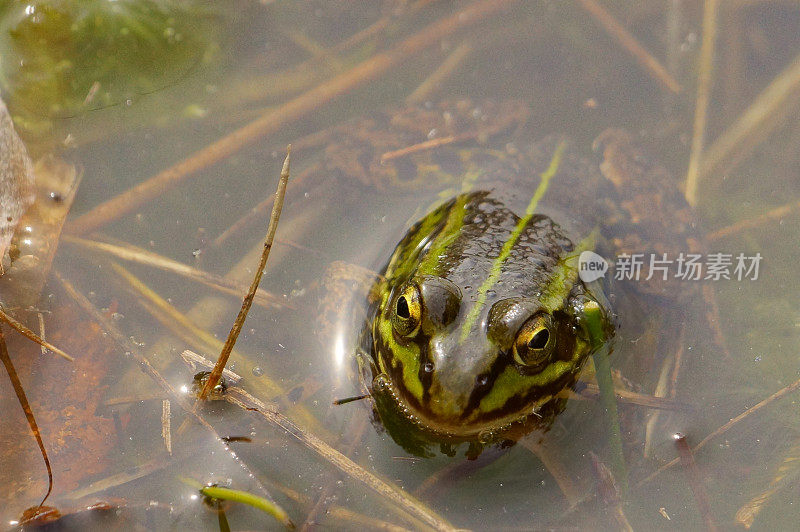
<point x="258" y="371"/>
<point x="485" y="436"/>
<point x="428" y="367"/>
<point x="381" y="382"/>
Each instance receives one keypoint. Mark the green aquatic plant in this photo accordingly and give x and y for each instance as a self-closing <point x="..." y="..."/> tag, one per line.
<point x="61" y="58"/>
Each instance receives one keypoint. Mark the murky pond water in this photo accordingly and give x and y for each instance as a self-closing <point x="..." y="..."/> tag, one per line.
<point x="206" y="105"/>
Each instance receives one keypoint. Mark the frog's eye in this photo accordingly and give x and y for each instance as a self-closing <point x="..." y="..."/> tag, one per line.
<point x="407" y="312"/>
<point x="535" y="342"/>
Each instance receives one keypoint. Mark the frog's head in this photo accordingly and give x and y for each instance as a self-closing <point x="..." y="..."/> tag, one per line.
<point x="480" y="320"/>
<point x="456" y="363"/>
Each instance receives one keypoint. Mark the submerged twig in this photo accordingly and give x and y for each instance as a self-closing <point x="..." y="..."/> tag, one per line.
<point x="695" y="481"/>
<point x="355" y="432"/>
<point x="724" y="428"/>
<point x="273" y="120"/>
<point x="589" y="390"/>
<point x="5" y="358"/>
<point x="166" y="425"/>
<point x="216" y="373"/>
<point x="339" y="512"/>
<point x="32" y="336"/>
<point x="629" y="42"/>
<point x="704" y="83"/>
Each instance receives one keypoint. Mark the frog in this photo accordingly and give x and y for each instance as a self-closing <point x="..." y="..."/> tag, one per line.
<point x="480" y="319"/>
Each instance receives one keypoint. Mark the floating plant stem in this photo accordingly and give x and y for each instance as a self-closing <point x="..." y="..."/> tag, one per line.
<point x="607" y="398"/>
<point x="266" y="506"/>
<point x="216" y="373"/>
<point x="5" y="358"/>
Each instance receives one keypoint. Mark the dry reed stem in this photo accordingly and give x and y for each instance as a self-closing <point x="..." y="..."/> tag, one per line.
<point x="768" y="111"/>
<point x="704" y="85"/>
<point x="216" y="373"/>
<point x="414" y="507"/>
<point x="154" y="260"/>
<point x="32" y="336"/>
<point x="645" y="59"/>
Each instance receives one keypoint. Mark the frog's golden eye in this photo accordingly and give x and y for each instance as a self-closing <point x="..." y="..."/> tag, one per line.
<point x="535" y="342"/>
<point x="407" y="312"/>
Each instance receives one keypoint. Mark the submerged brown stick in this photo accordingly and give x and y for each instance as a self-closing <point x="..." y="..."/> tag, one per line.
<point x="273" y="120"/>
<point x="629" y="42"/>
<point x="695" y="481"/>
<point x="5" y="358"/>
<point x="704" y="83"/>
<point x="216" y="373"/>
<point x="415" y="508"/>
<point x="724" y="428"/>
<point x="32" y="336"/>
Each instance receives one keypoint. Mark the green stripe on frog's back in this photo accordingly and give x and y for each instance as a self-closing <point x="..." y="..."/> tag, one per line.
<point x="497" y="265"/>
<point x="419" y="238"/>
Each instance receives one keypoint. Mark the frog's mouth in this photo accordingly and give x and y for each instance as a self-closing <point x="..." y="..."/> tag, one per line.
<point x="415" y="432"/>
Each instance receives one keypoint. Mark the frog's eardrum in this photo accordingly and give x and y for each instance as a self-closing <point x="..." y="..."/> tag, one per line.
<point x="17" y="191"/>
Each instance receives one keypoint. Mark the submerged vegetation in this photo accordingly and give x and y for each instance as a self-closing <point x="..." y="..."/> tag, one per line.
<point x="65" y="57"/>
